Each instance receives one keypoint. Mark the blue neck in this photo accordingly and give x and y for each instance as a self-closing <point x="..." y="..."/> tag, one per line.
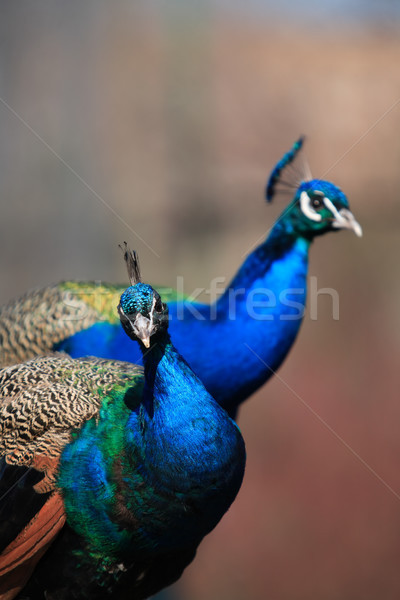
<point x="179" y="414"/>
<point x="245" y="336"/>
<point x="256" y="268"/>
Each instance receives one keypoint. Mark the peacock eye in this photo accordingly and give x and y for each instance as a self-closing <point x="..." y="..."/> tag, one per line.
<point x="316" y="202"/>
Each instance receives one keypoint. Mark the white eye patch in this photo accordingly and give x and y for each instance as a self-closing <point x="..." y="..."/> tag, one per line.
<point x="151" y="315"/>
<point x="307" y="209"/>
<point x="329" y="204"/>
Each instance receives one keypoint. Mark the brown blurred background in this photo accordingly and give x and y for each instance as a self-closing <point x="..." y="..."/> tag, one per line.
<point x="158" y="123"/>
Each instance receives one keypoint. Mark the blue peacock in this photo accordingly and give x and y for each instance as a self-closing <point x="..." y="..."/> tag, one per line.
<point x="235" y="344"/>
<point x="110" y="478"/>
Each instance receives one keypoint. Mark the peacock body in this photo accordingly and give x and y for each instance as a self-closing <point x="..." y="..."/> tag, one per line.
<point x="121" y="473"/>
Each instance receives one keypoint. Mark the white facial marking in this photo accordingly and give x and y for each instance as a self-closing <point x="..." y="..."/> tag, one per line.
<point x="307" y="209"/>
<point x="329" y="205"/>
<point x="152" y="311"/>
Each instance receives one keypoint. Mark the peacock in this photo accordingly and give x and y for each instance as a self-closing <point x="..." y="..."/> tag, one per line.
<point x="235" y="344"/>
<point x="110" y="477"/>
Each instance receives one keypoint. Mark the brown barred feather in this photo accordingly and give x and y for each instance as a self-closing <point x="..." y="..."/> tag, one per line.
<point x="43" y="400"/>
<point x="31" y="325"/>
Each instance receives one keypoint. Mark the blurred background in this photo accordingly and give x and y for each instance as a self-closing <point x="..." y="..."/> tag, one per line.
<point x="158" y="123"/>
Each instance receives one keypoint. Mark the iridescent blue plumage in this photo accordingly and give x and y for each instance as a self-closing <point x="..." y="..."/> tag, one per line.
<point x="142" y="477"/>
<point x="328" y="189"/>
<point x="137" y="299"/>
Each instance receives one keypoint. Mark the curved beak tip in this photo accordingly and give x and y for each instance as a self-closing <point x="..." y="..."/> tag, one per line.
<point x="345" y="220"/>
<point x="146" y="342"/>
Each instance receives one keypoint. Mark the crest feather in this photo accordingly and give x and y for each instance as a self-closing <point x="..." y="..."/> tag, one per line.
<point x="295" y="174"/>
<point x="132" y="263"/>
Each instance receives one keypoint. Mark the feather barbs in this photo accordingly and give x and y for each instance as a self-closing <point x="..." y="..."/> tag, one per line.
<point x="132" y="264"/>
<point x="297" y="173"/>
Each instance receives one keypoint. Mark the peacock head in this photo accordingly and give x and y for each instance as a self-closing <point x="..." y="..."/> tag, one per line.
<point x="318" y="206"/>
<point x="141" y="310"/>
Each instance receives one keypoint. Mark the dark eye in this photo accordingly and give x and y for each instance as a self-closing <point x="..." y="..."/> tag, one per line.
<point x="316" y="202"/>
<point x="159" y="305"/>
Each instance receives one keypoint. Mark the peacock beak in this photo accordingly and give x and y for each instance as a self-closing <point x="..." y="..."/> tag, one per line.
<point x="146" y="342"/>
<point x="344" y="219"/>
<point x="140" y="328"/>
<point x="143" y="328"/>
